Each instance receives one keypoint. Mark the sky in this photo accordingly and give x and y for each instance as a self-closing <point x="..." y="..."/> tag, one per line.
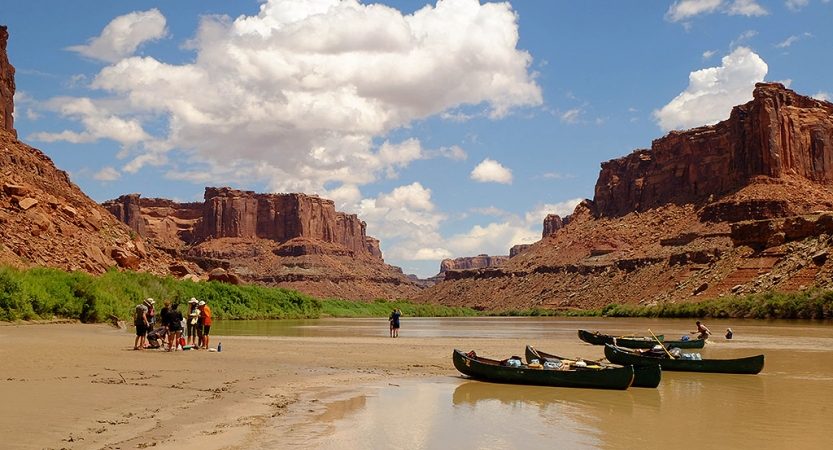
<point x="451" y="127"/>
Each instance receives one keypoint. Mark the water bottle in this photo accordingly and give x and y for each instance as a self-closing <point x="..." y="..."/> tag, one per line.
<point x="220" y="347"/>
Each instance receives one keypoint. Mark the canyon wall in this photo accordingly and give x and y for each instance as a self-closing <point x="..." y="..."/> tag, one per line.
<point x="472" y="262"/>
<point x="295" y="241"/>
<point x="744" y="206"/>
<point x="553" y="223"/>
<point x="7" y="86"/>
<point x="231" y="213"/>
<point x="778" y="133"/>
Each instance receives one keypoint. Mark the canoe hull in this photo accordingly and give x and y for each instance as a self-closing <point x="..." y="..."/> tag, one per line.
<point x="602" y="339"/>
<point x="485" y="369"/>
<point x="647" y="376"/>
<point x="642" y="343"/>
<point x="751" y="365"/>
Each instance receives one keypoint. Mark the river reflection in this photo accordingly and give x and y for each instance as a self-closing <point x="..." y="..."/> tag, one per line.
<point x="787" y="405"/>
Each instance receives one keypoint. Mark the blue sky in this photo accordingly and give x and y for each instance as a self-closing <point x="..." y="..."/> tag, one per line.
<point x="451" y="127"/>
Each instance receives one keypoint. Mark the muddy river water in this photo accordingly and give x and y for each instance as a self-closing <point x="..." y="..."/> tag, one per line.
<point x="787" y="406"/>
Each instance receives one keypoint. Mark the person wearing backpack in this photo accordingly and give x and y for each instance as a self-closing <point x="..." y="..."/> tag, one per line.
<point x="151" y="314"/>
<point x="174" y="320"/>
<point x="140" y="320"/>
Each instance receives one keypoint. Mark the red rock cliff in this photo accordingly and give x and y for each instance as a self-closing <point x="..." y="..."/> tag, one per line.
<point x="744" y="206"/>
<point x="231" y="213"/>
<point x="281" y="217"/>
<point x="778" y="133"/>
<point x="7" y="87"/>
<point x="472" y="262"/>
<point x="294" y="241"/>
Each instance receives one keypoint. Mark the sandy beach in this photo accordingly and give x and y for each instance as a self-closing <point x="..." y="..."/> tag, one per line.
<point x="79" y="386"/>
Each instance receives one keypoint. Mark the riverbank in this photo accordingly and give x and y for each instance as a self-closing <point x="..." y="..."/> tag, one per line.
<point x="81" y="386"/>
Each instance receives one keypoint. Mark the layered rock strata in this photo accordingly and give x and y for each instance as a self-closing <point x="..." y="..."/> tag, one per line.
<point x="294" y="240"/>
<point x="740" y="207"/>
<point x="7" y="86"/>
<point x="45" y="220"/>
<point x="778" y="134"/>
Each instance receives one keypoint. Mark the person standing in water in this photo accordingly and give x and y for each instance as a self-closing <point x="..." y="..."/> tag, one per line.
<point x="703" y="331"/>
<point x="394" y="322"/>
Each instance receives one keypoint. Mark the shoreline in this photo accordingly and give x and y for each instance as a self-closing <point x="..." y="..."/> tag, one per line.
<point x="81" y="386"/>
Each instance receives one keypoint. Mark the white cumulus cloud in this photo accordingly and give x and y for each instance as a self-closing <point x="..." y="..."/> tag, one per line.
<point x="407" y="220"/>
<point x="540" y="212"/>
<point x="821" y="95"/>
<point x="107" y="174"/>
<point x="295" y="96"/>
<point x="685" y="9"/>
<point x="712" y="92"/>
<point x="491" y="171"/>
<point x="123" y="35"/>
<point x="797" y="5"/>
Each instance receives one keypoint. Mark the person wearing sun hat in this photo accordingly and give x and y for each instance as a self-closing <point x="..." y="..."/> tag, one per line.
<point x="191" y="324"/>
<point x="205" y="318"/>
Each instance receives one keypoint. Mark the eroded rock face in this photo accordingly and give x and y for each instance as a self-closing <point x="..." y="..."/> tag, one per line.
<point x="7" y="86"/>
<point x="296" y="241"/>
<point x="282" y="217"/>
<point x="45" y="220"/>
<point x="231" y="213"/>
<point x="126" y="209"/>
<point x="553" y="223"/>
<point x="744" y="206"/>
<point x="517" y="249"/>
<point x="778" y="134"/>
<point x="472" y="262"/>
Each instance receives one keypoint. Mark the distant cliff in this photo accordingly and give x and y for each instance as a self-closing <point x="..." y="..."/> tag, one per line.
<point x="294" y="240"/>
<point x="739" y="207"/>
<point x="778" y="133"/>
<point x="553" y="223"/>
<point x="243" y="214"/>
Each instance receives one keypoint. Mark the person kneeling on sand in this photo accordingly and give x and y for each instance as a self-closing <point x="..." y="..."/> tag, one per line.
<point x="157" y="337"/>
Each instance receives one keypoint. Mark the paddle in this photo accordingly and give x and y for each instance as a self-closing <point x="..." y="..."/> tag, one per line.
<point x="660" y="344"/>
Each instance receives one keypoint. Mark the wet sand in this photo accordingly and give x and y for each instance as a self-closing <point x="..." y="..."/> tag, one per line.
<point x="83" y="386"/>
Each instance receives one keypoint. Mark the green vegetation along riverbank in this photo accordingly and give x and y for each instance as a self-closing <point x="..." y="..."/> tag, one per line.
<point x="45" y="294"/>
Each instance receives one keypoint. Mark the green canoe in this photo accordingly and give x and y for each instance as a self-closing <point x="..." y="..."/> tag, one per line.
<point x="750" y="365"/>
<point x="649" y="343"/>
<point x="643" y="376"/>
<point x="602" y="339"/>
<point x="485" y="369"/>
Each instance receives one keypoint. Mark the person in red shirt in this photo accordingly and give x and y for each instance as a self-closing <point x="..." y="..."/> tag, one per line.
<point x="205" y="316"/>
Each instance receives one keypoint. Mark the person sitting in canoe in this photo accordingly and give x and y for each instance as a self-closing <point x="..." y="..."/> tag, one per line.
<point x="702" y="331"/>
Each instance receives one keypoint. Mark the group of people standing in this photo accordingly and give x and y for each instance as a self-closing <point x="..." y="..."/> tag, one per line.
<point x="197" y="325"/>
